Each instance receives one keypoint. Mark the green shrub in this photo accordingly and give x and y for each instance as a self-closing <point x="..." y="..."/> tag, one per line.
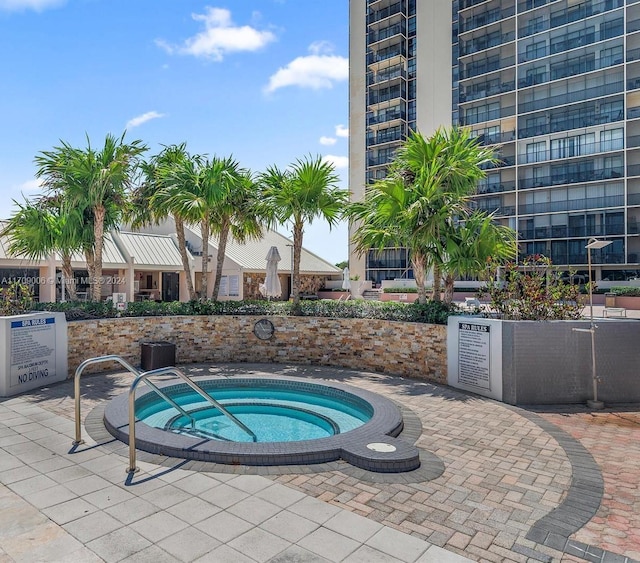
<point x="16" y="299"/>
<point x="431" y="312"/>
<point x="402" y="290"/>
<point x="533" y="292"/>
<point x="624" y="291"/>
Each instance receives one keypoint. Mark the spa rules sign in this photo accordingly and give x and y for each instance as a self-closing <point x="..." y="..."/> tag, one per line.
<point x="474" y="350"/>
<point x="35" y="351"/>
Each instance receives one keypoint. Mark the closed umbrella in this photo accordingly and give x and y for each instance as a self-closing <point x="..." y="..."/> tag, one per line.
<point x="272" y="287"/>
<point x="346" y="282"/>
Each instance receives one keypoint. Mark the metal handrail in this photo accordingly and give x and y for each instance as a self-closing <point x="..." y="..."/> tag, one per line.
<point x="76" y="385"/>
<point x="132" y="408"/>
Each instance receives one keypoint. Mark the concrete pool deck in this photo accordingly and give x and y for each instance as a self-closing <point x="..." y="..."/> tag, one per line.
<point x="547" y="484"/>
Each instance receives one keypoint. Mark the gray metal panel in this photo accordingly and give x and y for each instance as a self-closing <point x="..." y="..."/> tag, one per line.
<point x="549" y="363"/>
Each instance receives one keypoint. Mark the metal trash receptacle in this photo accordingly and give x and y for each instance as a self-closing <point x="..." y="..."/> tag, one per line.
<point x="154" y="355"/>
<point x="609" y="299"/>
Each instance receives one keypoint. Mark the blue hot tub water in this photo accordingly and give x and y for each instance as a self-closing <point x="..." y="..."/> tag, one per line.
<point x="274" y="415"/>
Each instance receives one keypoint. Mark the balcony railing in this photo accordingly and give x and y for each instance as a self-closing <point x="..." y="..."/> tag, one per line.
<point x="479" y="117"/>
<point x="563" y="17"/>
<point x="572" y="97"/>
<point x="385" y="116"/>
<point x="385" y="33"/>
<point x="496" y="138"/>
<point x="633" y="170"/>
<point x="397" y="71"/>
<point x="485" y="66"/>
<point x="485" y="18"/>
<point x="571" y="151"/>
<point x="386" y="95"/>
<point x="567" y="124"/>
<point x="378" y="15"/>
<point x="572" y="178"/>
<point x="386" y="137"/>
<point x="386" y="54"/>
<point x="485" y="42"/>
<point x="496" y="188"/>
<point x="571" y="205"/>
<point x="503" y="162"/>
<point x="487" y="89"/>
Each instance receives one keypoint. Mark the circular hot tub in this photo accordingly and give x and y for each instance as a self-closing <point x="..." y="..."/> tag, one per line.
<point x="291" y="421"/>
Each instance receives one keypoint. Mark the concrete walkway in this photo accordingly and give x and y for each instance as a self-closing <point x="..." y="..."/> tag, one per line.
<point x="518" y="485"/>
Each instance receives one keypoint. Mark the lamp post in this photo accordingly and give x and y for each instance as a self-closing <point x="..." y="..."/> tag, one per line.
<point x="593" y="243"/>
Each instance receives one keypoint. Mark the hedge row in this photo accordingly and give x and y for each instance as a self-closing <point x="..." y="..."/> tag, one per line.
<point x="431" y="312"/>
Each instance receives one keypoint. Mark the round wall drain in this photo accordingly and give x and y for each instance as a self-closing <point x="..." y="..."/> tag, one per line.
<point x="381" y="447"/>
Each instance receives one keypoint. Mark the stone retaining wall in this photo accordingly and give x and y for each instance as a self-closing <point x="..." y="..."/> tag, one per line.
<point x="407" y="349"/>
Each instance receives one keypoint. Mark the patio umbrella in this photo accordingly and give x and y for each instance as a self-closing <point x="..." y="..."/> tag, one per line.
<point x="272" y="287"/>
<point x="346" y="282"/>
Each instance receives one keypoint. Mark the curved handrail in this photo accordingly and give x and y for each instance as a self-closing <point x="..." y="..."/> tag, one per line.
<point x="76" y="385"/>
<point x="174" y="371"/>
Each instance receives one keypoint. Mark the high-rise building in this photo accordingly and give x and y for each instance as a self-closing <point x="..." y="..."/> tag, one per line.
<point x="554" y="84"/>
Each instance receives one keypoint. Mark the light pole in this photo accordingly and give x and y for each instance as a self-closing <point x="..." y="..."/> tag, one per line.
<point x="593" y="243"/>
<point x="291" y="288"/>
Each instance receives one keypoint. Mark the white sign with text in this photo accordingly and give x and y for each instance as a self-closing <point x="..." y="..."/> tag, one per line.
<point x="474" y="350"/>
<point x="34" y="352"/>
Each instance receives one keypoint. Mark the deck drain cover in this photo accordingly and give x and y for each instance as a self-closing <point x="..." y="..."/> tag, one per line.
<point x="381" y="447"/>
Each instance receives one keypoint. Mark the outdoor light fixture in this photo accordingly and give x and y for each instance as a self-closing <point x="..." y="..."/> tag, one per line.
<point x="593" y="243"/>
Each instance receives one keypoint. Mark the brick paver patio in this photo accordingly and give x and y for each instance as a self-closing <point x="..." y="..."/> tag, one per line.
<point x="518" y="485"/>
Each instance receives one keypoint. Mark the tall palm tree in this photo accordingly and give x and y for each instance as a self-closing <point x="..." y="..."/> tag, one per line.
<point x="238" y="214"/>
<point x="198" y="190"/>
<point x="95" y="179"/>
<point x="39" y="228"/>
<point x="300" y="194"/>
<point x="150" y="200"/>
<point x="422" y="200"/>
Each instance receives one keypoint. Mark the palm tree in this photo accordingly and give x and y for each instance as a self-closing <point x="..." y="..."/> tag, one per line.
<point x="150" y="200"/>
<point x="38" y="229"/>
<point x="94" y="179"/>
<point x="473" y="244"/>
<point x="199" y="191"/>
<point x="238" y="214"/>
<point x="422" y="200"/>
<point x="300" y="194"/>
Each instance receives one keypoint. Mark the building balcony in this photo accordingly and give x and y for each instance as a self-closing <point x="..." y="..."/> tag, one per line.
<point x="377" y="35"/>
<point x="485" y="18"/>
<point x="485" y="42"/>
<point x="485" y="188"/>
<point x="386" y="75"/>
<point x="485" y="90"/>
<point x="571" y="205"/>
<point x="496" y="138"/>
<point x="571" y="177"/>
<point x="595" y="92"/>
<point x="558" y="124"/>
<point x="386" y="116"/>
<point x="562" y="231"/>
<point x="379" y="15"/>
<point x="479" y="117"/>
<point x="486" y="66"/>
<point x="575" y="150"/>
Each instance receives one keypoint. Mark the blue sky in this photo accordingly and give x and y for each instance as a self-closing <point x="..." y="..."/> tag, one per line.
<point x="262" y="80"/>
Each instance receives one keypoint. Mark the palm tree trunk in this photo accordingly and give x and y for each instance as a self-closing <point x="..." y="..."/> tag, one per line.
<point x="297" y="252"/>
<point x="88" y="254"/>
<point x="98" y="232"/>
<point x="448" y="288"/>
<point x="420" y="273"/>
<point x="70" y="282"/>
<point x="204" y="233"/>
<point x="222" y="249"/>
<point x="182" y="246"/>
<point x="437" y="281"/>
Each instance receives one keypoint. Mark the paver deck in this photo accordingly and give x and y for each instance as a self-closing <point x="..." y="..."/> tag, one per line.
<point x="518" y="485"/>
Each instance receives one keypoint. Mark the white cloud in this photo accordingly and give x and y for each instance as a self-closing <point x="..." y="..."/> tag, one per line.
<point x="36" y="5"/>
<point x="342" y="131"/>
<point x="318" y="70"/>
<point x="140" y="119"/>
<point x="220" y="37"/>
<point x="34" y="185"/>
<point x="338" y="161"/>
<point x="328" y="141"/>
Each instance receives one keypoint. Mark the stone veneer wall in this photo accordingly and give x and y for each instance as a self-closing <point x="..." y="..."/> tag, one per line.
<point x="407" y="349"/>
